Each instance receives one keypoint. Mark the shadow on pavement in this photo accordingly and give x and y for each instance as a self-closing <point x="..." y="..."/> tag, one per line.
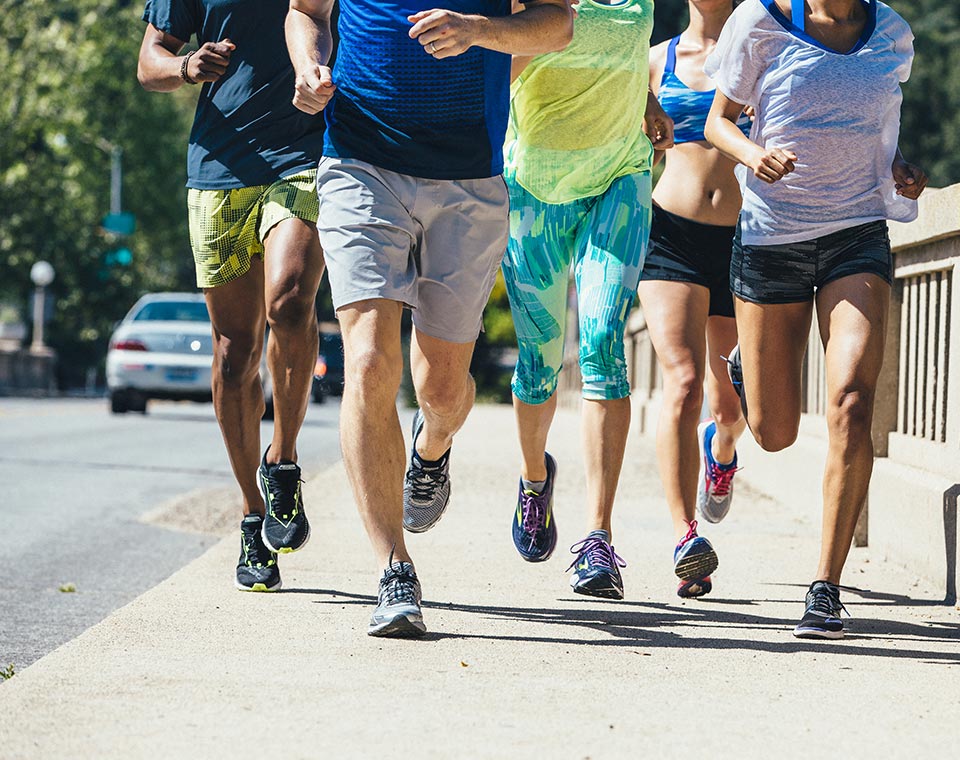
<point x="642" y="626"/>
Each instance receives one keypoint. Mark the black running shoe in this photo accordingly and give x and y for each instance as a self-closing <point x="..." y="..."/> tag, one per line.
<point x="398" y="612"/>
<point x="285" y="527"/>
<point x="257" y="568"/>
<point x="596" y="570"/>
<point x="821" y="619"/>
<point x="426" y="487"/>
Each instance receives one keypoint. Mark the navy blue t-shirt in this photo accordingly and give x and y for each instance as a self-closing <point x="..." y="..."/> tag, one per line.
<point x="246" y="130"/>
<point x="400" y="109"/>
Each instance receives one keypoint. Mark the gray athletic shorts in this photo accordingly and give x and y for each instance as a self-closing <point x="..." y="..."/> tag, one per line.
<point x="434" y="245"/>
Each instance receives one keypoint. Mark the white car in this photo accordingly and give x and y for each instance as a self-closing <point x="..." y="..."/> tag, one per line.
<point x="163" y="348"/>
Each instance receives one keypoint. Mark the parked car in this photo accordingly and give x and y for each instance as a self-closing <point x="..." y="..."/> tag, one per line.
<point x="163" y="349"/>
<point x="328" y="373"/>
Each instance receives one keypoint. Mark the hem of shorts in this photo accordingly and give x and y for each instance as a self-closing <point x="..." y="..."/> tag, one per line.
<point x="598" y="396"/>
<point x="675" y="278"/>
<point x="762" y="241"/>
<point x="775" y="301"/>
<point x="461" y="338"/>
<point x="194" y="184"/>
<point x="233" y="278"/>
<point x="529" y="399"/>
<point x="887" y="278"/>
<point x="357" y="296"/>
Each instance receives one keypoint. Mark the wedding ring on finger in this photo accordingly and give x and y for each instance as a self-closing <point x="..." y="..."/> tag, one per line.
<point x="432" y="48"/>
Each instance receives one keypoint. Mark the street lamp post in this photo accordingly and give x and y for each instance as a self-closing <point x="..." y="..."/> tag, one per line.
<point x="42" y="274"/>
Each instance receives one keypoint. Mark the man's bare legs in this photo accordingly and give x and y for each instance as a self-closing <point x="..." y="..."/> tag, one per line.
<point x="852" y="314"/>
<point x="293" y="267"/>
<point x="373" y="365"/>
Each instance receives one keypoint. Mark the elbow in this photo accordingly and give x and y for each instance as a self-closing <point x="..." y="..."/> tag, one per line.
<point x="144" y="78"/>
<point x="709" y="131"/>
<point x="565" y="36"/>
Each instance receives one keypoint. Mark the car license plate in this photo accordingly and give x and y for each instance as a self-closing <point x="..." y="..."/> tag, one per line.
<point x="181" y="374"/>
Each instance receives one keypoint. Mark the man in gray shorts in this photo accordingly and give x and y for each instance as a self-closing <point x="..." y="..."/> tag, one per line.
<point x="413" y="212"/>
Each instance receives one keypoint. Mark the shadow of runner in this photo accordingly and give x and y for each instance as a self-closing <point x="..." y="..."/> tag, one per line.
<point x="645" y="627"/>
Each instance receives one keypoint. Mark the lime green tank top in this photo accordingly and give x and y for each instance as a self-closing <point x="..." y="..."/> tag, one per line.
<point x="576" y="116"/>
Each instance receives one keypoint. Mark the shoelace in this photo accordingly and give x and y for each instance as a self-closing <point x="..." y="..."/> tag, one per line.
<point x="398" y="584"/>
<point x="826" y="601"/>
<point x="722" y="479"/>
<point x="424" y="482"/>
<point x="251" y="549"/>
<point x="534" y="515"/>
<point x="691" y="533"/>
<point x="598" y="553"/>
<point x="282" y="489"/>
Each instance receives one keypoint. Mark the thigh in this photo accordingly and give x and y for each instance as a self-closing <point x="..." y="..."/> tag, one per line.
<point x="237" y="312"/>
<point x="371" y="338"/>
<point x="293" y="262"/>
<point x="464" y="235"/>
<point x="676" y="315"/>
<point x="773" y="339"/>
<point x="367" y="233"/>
<point x="852" y="312"/>
<point x="438" y="363"/>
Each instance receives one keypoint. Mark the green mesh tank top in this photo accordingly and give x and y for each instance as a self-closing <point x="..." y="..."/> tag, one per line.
<point x="576" y="116"/>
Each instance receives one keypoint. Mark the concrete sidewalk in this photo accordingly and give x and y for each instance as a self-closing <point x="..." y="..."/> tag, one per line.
<point x="514" y="664"/>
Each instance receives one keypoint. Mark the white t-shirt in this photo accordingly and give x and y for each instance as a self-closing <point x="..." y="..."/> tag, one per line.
<point x="840" y="114"/>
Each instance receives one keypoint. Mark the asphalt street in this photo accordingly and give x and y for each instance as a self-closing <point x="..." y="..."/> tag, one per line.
<point x="79" y="482"/>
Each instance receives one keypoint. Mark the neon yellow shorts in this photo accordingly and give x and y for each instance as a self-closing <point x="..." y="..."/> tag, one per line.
<point x="228" y="227"/>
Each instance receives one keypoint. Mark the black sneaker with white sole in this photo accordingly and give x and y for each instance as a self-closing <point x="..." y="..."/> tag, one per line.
<point x="257" y="568"/>
<point x="398" y="612"/>
<point x="821" y="619"/>
<point x="285" y="527"/>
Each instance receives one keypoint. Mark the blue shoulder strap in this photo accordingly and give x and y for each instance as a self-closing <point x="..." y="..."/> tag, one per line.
<point x="671" y="63"/>
<point x="798" y="14"/>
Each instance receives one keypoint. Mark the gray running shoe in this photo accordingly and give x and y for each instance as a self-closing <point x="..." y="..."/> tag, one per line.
<point x="426" y="487"/>
<point x="715" y="492"/>
<point x="398" y="612"/>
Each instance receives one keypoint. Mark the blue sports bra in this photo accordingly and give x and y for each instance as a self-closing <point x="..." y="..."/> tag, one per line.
<point x="688" y="108"/>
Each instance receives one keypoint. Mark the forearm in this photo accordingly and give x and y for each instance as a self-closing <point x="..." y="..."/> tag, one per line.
<point x="158" y="69"/>
<point x="540" y="29"/>
<point x="725" y="136"/>
<point x="309" y="40"/>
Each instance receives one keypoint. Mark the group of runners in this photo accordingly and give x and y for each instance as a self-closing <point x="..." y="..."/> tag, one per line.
<point x="523" y="136"/>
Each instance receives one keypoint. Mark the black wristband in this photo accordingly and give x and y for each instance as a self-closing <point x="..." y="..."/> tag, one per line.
<point x="183" y="68"/>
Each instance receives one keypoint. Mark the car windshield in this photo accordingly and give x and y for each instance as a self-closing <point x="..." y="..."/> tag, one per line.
<point x="173" y="311"/>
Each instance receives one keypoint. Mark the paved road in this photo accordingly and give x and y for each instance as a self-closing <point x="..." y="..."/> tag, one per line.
<point x="77" y="483"/>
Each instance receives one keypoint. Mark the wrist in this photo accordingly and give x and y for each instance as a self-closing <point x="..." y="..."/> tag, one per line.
<point x="481" y="31"/>
<point x="184" y="65"/>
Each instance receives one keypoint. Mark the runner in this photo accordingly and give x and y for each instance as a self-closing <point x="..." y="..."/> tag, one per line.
<point x="414" y="213"/>
<point x="579" y="179"/>
<point x="686" y="299"/>
<point x="825" y="173"/>
<point x="251" y="174"/>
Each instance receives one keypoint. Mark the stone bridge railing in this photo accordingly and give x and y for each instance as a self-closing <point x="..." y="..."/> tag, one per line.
<point x="911" y="515"/>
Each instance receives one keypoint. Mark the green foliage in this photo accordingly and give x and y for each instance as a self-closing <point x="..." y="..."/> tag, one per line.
<point x="68" y="90"/>
<point x="7" y="673"/>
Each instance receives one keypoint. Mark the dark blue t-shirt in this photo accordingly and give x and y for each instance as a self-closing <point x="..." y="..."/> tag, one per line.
<point x="246" y="130"/>
<point x="399" y="108"/>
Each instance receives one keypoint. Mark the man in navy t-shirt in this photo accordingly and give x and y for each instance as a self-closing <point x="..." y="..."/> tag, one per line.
<point x="251" y="174"/>
<point x="413" y="213"/>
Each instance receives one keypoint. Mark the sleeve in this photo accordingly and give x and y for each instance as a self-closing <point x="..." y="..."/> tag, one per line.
<point x="178" y="18"/>
<point x="734" y="65"/>
<point x="903" y="47"/>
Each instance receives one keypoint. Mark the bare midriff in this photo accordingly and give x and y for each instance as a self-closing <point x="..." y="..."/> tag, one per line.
<point x="698" y="183"/>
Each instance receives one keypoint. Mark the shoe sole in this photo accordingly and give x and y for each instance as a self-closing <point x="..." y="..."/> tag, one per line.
<point x="258" y="587"/>
<point x="695" y="589"/>
<point x="815" y="633"/>
<point x="263" y="529"/>
<point x="401" y="627"/>
<point x="604" y="592"/>
<point x="698" y="566"/>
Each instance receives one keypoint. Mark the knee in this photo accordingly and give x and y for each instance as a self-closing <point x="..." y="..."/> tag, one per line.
<point x="444" y="398"/>
<point x="373" y="371"/>
<point x="851" y="412"/>
<point x="774" y="437"/>
<point x="236" y="359"/>
<point x="683" y="390"/>
<point x="290" y="309"/>
<point x="727" y="412"/>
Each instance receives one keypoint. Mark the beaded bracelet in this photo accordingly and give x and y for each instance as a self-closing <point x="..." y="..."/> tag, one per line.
<point x="183" y="68"/>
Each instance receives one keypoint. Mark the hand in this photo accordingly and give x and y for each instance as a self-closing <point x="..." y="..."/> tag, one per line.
<point x="657" y="125"/>
<point x="772" y="165"/>
<point x="910" y="180"/>
<point x="445" y="34"/>
<point x="313" y="89"/>
<point x="750" y="112"/>
<point x="210" y="62"/>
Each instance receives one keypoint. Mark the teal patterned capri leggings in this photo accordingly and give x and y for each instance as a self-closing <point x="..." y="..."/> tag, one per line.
<point x="605" y="238"/>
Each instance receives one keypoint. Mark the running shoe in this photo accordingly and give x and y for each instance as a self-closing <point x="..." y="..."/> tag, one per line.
<point x="716" y="482"/>
<point x="534" y="530"/>
<point x="398" y="612"/>
<point x="596" y="570"/>
<point x="257" y="568"/>
<point x="693" y="561"/>
<point x="821" y="619"/>
<point x="735" y="371"/>
<point x="285" y="526"/>
<point x="426" y="487"/>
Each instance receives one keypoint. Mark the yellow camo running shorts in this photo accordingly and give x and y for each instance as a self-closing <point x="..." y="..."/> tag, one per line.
<point x="228" y="227"/>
